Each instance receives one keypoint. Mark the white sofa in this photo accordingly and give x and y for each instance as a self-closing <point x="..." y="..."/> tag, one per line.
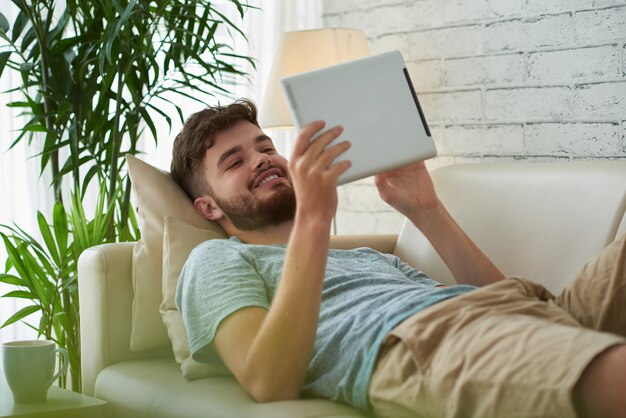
<point x="538" y="220"/>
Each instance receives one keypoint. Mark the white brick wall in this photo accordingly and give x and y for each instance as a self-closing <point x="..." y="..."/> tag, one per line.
<point x="527" y="103"/>
<point x="518" y="34"/>
<point x="492" y="69"/>
<point x="499" y="80"/>
<point x="600" y="100"/>
<point x="579" y="63"/>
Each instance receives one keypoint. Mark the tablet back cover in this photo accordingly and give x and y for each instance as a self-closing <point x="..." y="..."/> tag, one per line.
<point x="374" y="100"/>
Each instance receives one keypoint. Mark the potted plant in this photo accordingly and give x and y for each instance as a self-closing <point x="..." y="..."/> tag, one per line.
<point x="94" y="77"/>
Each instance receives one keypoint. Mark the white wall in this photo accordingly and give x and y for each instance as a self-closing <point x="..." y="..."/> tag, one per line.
<point x="499" y="80"/>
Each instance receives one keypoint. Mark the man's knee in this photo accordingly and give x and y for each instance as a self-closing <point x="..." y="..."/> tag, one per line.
<point x="601" y="390"/>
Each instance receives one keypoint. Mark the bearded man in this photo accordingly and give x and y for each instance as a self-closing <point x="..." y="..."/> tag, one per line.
<point x="289" y="316"/>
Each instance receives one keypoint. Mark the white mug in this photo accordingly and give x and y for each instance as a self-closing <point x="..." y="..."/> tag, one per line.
<point x="29" y="368"/>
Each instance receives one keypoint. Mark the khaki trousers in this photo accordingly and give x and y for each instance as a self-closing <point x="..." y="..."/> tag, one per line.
<point x="510" y="349"/>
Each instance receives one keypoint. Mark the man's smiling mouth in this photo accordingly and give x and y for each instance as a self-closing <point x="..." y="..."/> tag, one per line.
<point x="271" y="175"/>
<point x="266" y="179"/>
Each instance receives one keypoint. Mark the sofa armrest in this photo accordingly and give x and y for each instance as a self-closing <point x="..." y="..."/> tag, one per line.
<point x="538" y="220"/>
<point x="105" y="320"/>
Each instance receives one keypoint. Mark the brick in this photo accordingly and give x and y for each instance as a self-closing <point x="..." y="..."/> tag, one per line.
<point x="518" y="34"/>
<point x="394" y="19"/>
<point x="391" y="42"/>
<point x="446" y="42"/>
<point x="525" y="158"/>
<point x="425" y="75"/>
<point x="478" y="10"/>
<point x="485" y="139"/>
<point x="574" y="139"/>
<point x="452" y="106"/>
<point x="366" y="21"/>
<point x="334" y="7"/>
<point x="552" y="6"/>
<point x="341" y="6"/>
<point x="333" y="21"/>
<point x="571" y="64"/>
<point x="498" y="69"/>
<point x="527" y="103"/>
<point x="423" y="14"/>
<point x="437" y="132"/>
<point x="600" y="99"/>
<point x="601" y="25"/>
<point x="362" y="196"/>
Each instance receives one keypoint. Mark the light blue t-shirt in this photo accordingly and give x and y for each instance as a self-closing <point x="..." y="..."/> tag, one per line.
<point x="365" y="295"/>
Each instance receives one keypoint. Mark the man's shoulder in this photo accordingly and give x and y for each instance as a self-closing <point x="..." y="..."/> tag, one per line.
<point x="216" y="248"/>
<point x="218" y="243"/>
<point x="232" y="249"/>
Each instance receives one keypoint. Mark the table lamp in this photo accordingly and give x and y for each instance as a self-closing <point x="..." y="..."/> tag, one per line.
<point x="301" y="51"/>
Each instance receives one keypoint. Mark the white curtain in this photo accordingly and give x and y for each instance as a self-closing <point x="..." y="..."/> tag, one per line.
<point x="24" y="192"/>
<point x="22" y="189"/>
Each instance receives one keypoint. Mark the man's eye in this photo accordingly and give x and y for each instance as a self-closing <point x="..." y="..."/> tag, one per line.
<point x="269" y="150"/>
<point x="234" y="164"/>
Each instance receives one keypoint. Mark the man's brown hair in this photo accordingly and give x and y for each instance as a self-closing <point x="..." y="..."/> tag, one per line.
<point x="197" y="136"/>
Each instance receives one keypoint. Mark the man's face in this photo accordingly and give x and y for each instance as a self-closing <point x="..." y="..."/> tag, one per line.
<point x="249" y="179"/>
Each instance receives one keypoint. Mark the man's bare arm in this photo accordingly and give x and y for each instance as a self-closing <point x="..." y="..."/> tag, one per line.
<point x="269" y="351"/>
<point x="410" y="190"/>
<point x="466" y="261"/>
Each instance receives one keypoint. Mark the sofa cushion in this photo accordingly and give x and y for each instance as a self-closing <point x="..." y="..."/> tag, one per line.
<point x="157" y="196"/>
<point x="154" y="388"/>
<point x="178" y="241"/>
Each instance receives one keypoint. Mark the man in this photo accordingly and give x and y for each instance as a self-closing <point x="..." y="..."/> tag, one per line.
<point x="289" y="316"/>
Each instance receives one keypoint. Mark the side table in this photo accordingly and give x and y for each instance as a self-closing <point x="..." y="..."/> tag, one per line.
<point x="61" y="403"/>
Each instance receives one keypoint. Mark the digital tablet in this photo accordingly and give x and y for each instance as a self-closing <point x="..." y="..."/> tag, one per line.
<point x="375" y="102"/>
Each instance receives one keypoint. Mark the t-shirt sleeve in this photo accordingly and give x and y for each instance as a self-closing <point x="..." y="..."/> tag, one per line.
<point x="215" y="282"/>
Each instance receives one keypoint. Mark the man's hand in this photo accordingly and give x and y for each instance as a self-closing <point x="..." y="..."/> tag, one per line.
<point x="314" y="172"/>
<point x="408" y="189"/>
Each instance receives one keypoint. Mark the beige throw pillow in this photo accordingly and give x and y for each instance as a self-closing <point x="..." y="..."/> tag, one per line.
<point x="157" y="196"/>
<point x="178" y="241"/>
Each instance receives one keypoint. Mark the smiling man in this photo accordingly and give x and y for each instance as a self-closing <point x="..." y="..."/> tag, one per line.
<point x="288" y="315"/>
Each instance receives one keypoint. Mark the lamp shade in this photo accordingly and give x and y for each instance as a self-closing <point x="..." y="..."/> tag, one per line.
<point x="301" y="51"/>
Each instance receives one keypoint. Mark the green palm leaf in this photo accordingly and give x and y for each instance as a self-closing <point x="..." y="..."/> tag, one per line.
<point x="21" y="314"/>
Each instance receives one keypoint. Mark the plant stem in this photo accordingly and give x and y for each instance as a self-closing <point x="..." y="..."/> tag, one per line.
<point x="49" y="120"/>
<point x="115" y="148"/>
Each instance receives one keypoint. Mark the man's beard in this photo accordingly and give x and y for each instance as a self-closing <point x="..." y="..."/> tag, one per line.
<point x="247" y="214"/>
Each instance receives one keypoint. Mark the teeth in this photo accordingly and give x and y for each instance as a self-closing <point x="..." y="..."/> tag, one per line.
<point x="268" y="178"/>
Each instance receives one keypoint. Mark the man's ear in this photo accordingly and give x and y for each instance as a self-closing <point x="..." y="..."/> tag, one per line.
<point x="207" y="208"/>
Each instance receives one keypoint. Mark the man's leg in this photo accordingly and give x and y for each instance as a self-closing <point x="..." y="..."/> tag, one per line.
<point x="597" y="296"/>
<point x="499" y="351"/>
<point x="601" y="390"/>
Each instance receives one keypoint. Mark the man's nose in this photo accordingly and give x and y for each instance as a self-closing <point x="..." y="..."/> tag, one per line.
<point x="261" y="160"/>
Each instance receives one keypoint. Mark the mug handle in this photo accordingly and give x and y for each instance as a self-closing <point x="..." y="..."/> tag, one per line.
<point x="65" y="360"/>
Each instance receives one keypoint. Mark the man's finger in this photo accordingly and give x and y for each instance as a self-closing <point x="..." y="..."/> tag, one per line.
<point x="331" y="153"/>
<point x="340" y="167"/>
<point x="320" y="143"/>
<point x="303" y="141"/>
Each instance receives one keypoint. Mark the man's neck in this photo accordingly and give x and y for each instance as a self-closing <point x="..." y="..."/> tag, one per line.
<point x="278" y="234"/>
